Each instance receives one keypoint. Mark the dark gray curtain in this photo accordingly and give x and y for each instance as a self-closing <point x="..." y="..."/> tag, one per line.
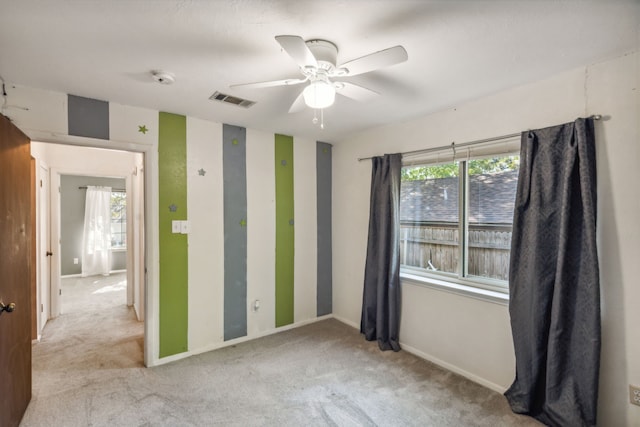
<point x="381" y="297"/>
<point x="554" y="278"/>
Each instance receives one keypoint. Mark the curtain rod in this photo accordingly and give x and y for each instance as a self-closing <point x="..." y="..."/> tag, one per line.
<point x="113" y="190"/>
<point x="453" y="145"/>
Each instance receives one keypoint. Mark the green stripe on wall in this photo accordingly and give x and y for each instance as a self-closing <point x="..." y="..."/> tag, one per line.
<point x="284" y="229"/>
<point x="172" y="183"/>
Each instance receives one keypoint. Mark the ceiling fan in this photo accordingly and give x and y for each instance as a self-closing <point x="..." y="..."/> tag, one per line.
<point x="317" y="60"/>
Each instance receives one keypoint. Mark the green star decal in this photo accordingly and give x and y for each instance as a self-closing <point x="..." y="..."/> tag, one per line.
<point x="243" y="222"/>
<point x="234" y="142"/>
<point x="143" y="129"/>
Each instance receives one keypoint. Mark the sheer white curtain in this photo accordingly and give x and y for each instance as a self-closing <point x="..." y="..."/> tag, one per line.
<point x="96" y="241"/>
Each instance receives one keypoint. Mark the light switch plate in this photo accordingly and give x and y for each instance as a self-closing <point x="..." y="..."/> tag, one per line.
<point x="184" y="227"/>
<point x="634" y="394"/>
<point x="176" y="227"/>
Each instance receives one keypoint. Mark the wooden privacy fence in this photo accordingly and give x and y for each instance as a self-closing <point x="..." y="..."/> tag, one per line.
<point x="489" y="248"/>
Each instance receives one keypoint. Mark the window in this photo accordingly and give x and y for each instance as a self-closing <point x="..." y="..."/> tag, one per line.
<point x="118" y="220"/>
<point x="459" y="229"/>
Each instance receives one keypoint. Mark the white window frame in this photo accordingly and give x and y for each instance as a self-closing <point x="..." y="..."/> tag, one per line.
<point x="120" y="248"/>
<point x="492" y="290"/>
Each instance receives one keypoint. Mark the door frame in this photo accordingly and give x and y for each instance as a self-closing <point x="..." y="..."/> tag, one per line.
<point x="56" y="233"/>
<point x="43" y="208"/>
<point x="151" y="232"/>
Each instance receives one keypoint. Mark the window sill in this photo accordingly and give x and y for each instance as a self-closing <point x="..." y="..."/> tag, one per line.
<point x="455" y="288"/>
<point x="118" y="249"/>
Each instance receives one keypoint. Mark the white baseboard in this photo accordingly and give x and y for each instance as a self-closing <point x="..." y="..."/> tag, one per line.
<point x="347" y="322"/>
<point x="448" y="366"/>
<point x="409" y="349"/>
<point x="71" y="276"/>
<point x="455" y="369"/>
<point x="219" y="345"/>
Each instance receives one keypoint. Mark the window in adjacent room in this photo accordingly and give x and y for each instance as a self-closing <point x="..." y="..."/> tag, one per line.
<point x="118" y="220"/>
<point x="456" y="219"/>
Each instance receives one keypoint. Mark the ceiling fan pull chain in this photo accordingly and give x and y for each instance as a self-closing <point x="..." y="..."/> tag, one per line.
<point x="315" y="117"/>
<point x="322" y="119"/>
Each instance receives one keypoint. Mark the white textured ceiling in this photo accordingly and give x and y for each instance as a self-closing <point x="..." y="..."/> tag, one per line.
<point x="458" y="50"/>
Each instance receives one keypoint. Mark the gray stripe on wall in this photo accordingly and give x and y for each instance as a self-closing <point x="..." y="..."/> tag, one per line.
<point x="323" y="171"/>
<point x="234" y="167"/>
<point x="88" y="117"/>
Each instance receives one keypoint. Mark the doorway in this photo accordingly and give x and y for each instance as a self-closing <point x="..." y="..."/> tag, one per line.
<point x="68" y="165"/>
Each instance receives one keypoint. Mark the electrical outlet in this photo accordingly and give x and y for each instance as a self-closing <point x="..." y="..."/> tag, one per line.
<point x="634" y="394"/>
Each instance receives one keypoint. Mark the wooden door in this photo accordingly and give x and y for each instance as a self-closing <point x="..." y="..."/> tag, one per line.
<point x="15" y="267"/>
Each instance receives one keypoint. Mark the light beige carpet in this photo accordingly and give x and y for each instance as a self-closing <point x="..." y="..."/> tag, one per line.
<point x="88" y="372"/>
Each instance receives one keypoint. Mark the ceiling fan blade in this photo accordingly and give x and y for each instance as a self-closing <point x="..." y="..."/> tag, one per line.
<point x="285" y="82"/>
<point x="298" y="50"/>
<point x="384" y="58"/>
<point x="298" y="105"/>
<point x="354" y="91"/>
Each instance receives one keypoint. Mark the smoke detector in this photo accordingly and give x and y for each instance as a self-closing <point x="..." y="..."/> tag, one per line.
<point x="163" y="77"/>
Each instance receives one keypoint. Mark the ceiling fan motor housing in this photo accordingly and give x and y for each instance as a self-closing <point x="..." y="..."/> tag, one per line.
<point x="325" y="52"/>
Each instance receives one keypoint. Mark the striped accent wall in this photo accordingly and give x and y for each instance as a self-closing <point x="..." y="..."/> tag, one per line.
<point x="234" y="154"/>
<point x="224" y="280"/>
<point x="285" y="236"/>
<point x="172" y="192"/>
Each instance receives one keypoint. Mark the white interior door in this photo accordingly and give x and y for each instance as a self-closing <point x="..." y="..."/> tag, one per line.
<point x="44" y="249"/>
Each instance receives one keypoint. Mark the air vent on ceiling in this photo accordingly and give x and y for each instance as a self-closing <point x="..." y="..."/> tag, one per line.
<point x="217" y="96"/>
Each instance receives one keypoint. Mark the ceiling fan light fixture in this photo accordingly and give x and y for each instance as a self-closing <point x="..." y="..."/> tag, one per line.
<point x="319" y="94"/>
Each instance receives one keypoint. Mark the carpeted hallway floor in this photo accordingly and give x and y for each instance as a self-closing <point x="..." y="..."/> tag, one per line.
<point x="88" y="371"/>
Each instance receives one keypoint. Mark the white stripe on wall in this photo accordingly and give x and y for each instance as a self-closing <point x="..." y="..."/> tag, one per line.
<point x="206" y="238"/>
<point x="261" y="238"/>
<point x="306" y="232"/>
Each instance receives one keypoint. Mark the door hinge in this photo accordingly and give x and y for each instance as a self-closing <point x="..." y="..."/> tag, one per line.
<point x="40" y="183"/>
<point x="59" y="291"/>
<point x="41" y="308"/>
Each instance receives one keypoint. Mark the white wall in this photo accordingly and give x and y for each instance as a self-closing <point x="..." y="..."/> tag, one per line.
<point x="206" y="239"/>
<point x="261" y="234"/>
<point x="306" y="231"/>
<point x="471" y="336"/>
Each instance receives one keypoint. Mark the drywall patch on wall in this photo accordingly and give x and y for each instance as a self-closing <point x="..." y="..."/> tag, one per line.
<point x="234" y="164"/>
<point x="323" y="183"/>
<point x="43" y="110"/>
<point x="88" y="117"/>
<point x="172" y="192"/>
<point x="285" y="237"/>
